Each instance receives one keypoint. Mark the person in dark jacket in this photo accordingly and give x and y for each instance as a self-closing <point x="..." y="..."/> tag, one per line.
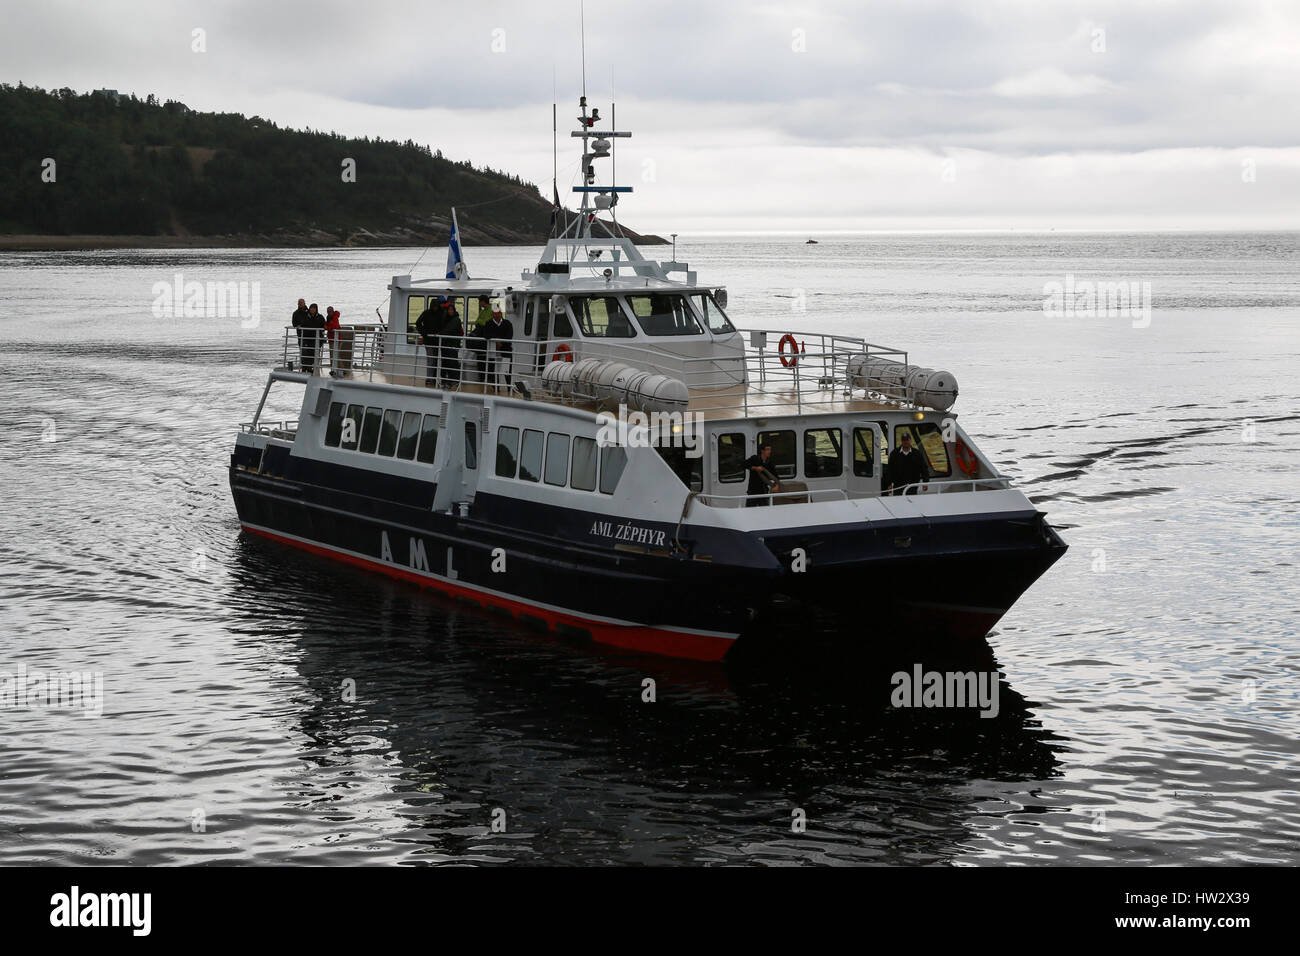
<point x="761" y="479"/>
<point x="498" y="337"/>
<point x="313" y="328"/>
<point x="299" y="315"/>
<point x="440" y="330"/>
<point x="906" y="467"/>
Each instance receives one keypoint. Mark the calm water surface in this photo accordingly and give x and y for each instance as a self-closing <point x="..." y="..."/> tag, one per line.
<point x="1150" y="680"/>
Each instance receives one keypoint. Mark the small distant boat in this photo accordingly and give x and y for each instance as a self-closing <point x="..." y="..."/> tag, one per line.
<point x="811" y="242"/>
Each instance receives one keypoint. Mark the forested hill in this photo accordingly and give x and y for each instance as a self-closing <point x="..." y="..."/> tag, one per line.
<point x="130" y="167"/>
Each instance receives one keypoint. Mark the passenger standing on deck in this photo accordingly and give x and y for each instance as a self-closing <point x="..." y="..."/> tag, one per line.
<point x="760" y="477"/>
<point x="450" y="333"/>
<point x="429" y="327"/>
<point x="332" y="335"/>
<point x="484" y="312"/>
<point x="500" y="331"/>
<point x="312" y="327"/>
<point x="906" y="467"/>
<point x="299" y="315"/>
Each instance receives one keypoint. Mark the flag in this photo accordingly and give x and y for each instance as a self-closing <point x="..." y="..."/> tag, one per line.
<point x="555" y="207"/>
<point x="455" y="261"/>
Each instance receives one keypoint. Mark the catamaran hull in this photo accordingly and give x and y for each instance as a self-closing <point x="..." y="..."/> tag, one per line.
<point x="642" y="601"/>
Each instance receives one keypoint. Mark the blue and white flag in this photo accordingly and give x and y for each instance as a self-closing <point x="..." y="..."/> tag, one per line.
<point x="455" y="261"/>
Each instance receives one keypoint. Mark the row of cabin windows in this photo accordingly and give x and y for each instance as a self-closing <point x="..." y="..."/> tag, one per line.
<point x="558" y="459"/>
<point x="823" y="455"/>
<point x="378" y="431"/>
<point x="603" y="317"/>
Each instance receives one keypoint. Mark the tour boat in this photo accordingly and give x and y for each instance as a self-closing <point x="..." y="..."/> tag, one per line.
<point x="589" y="474"/>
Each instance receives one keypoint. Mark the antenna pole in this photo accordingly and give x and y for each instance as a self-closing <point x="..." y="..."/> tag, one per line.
<point x="582" y="13"/>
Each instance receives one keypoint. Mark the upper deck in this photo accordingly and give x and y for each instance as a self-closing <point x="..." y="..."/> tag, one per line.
<point x="758" y="374"/>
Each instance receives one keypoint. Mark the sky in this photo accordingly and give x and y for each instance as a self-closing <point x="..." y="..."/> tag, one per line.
<point x="801" y="117"/>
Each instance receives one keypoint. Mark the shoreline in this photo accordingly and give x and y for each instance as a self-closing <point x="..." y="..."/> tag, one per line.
<point x="89" y="243"/>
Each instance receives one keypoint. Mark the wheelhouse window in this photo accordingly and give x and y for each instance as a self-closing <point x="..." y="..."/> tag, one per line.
<point x="557" y="459"/>
<point x="428" y="440"/>
<point x="731" y="457"/>
<point x="334" y="427"/>
<point x="783" y="462"/>
<point x="507" y="452"/>
<point x="864" y="455"/>
<point x="415" y="304"/>
<point x="612" y="462"/>
<point x="388" y="432"/>
<point x="562" y="328"/>
<point x="585" y="455"/>
<point x="409" y="438"/>
<point x="370" y="430"/>
<point x="823" y="453"/>
<point x="662" y="313"/>
<point x="530" y="455"/>
<point x="927" y="437"/>
<point x="602" y="318"/>
<point x="714" y="317"/>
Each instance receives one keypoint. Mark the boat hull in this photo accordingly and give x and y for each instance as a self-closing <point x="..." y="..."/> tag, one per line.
<point x="550" y="579"/>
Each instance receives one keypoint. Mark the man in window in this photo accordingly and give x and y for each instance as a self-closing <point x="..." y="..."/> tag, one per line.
<point x="761" y="479"/>
<point x="906" y="467"/>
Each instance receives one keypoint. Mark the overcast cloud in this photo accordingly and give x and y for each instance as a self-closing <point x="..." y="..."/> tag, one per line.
<point x="809" y="117"/>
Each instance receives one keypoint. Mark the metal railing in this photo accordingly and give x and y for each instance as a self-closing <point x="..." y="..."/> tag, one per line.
<point x="803" y="497"/>
<point x="943" y="486"/>
<point x="752" y="378"/>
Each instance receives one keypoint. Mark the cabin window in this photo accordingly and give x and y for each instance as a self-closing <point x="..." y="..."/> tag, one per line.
<point x="557" y="459"/>
<point x="731" y="457"/>
<point x="409" y="439"/>
<point x="664" y="314"/>
<point x="782" y="463"/>
<point x="584" y="464"/>
<point x="864" y="455"/>
<point x="351" y="428"/>
<point x="823" y="453"/>
<point x="530" y="455"/>
<point x="471" y="445"/>
<point x="927" y="437"/>
<point x="388" y="432"/>
<point x="414" y="306"/>
<point x="507" y="452"/>
<point x="612" y="462"/>
<point x="562" y="328"/>
<point x="602" y="318"/>
<point x="334" y="426"/>
<point x="428" y="440"/>
<point x="689" y="471"/>
<point x="714" y="317"/>
<point x="370" y="430"/>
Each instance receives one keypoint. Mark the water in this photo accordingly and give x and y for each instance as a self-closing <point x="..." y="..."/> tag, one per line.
<point x="1148" y="709"/>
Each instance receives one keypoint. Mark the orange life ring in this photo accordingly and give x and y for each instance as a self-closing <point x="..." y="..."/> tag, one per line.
<point x="562" y="353"/>
<point x="793" y="359"/>
<point x="966" y="460"/>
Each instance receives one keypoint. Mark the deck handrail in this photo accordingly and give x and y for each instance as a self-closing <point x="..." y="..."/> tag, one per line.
<point x="754" y="380"/>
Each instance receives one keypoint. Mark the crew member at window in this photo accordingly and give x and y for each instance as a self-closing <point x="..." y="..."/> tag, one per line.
<point x="906" y="467"/>
<point x="761" y="479"/>
<point x="484" y="312"/>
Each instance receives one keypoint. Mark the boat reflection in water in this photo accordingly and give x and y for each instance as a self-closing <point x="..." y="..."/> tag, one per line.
<point x="458" y="713"/>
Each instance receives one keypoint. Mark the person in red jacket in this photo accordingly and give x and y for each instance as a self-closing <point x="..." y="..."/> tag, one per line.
<point x="331" y="333"/>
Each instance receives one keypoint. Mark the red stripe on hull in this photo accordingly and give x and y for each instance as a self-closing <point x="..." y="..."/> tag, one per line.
<point x="633" y="637"/>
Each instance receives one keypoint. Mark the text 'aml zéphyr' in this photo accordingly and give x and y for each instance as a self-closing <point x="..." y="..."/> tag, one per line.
<point x="74" y="909"/>
<point x="946" y="689"/>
